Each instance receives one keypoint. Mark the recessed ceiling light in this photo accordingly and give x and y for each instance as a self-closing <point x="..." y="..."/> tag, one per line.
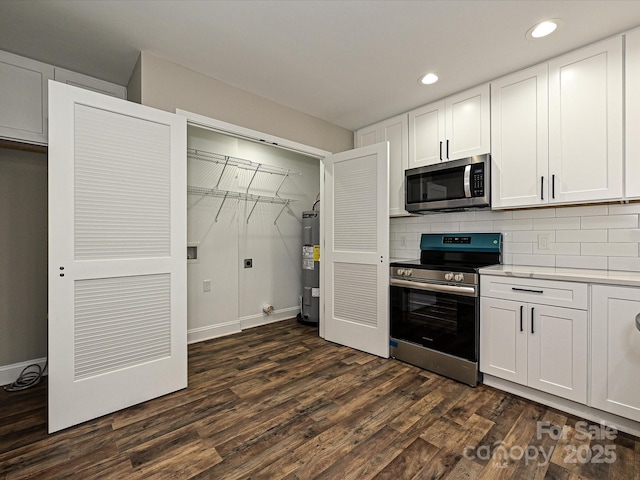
<point x="428" y="79"/>
<point x="543" y="29"/>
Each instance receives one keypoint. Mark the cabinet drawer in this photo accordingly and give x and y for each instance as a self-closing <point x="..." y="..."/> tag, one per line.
<point x="546" y="292"/>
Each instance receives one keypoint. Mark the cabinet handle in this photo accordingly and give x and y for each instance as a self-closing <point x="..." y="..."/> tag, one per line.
<point x="447" y="149"/>
<point x="553" y="186"/>
<point x="526" y="290"/>
<point x="532" y="320"/>
<point x="542" y="188"/>
<point x="521" y="315"/>
<point x="638" y="322"/>
<point x="440" y="151"/>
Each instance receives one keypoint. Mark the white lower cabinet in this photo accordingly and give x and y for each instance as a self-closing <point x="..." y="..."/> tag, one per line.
<point x="615" y="350"/>
<point x="542" y="346"/>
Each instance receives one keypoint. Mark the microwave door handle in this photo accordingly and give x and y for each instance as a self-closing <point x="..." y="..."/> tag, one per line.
<point x="467" y="181"/>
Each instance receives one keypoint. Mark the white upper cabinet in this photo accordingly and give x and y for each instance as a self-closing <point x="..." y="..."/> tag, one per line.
<point x="89" y="83"/>
<point x="586" y="124"/>
<point x="557" y="130"/>
<point x="23" y="98"/>
<point x="520" y="138"/>
<point x="632" y="112"/>
<point x="24" y="86"/>
<point x="393" y="130"/>
<point x="426" y="135"/>
<point x="456" y="127"/>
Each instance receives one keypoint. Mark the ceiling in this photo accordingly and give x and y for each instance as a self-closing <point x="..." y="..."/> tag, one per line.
<point x="350" y="63"/>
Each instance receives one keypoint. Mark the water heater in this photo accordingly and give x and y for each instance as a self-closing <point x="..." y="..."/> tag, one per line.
<point x="310" y="298"/>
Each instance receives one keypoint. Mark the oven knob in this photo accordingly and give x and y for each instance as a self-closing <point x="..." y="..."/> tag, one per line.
<point x="401" y="271"/>
<point x="459" y="277"/>
<point x="408" y="272"/>
<point x="448" y="276"/>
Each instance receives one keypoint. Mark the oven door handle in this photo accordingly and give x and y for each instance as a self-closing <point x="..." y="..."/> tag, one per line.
<point x="435" y="287"/>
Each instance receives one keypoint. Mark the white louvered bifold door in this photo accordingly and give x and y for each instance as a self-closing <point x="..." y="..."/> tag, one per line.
<point x="117" y="254"/>
<point x="356" y="222"/>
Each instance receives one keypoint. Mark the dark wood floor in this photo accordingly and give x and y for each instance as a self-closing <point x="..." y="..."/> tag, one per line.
<point x="279" y="402"/>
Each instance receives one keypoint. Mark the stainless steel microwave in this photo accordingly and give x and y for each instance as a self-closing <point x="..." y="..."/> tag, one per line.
<point x="453" y="185"/>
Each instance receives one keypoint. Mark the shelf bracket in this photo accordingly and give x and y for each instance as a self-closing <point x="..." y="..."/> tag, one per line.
<point x="221" y="204"/>
<point x="286" y="204"/>
<point x="251" y="181"/>
<point x="284" y="177"/>
<point x="226" y="162"/>
<point x="253" y="208"/>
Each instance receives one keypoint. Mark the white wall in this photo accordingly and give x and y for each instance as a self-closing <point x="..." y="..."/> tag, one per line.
<point x="598" y="236"/>
<point x="238" y="294"/>
<point x="23" y="258"/>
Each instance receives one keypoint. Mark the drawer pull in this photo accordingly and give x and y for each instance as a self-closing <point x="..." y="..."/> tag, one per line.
<point x="526" y="290"/>
<point x="638" y="321"/>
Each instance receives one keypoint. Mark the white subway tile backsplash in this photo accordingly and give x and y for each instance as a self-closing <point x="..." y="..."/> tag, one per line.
<point x="610" y="249"/>
<point x="477" y="226"/>
<point x="535" y="213"/>
<point x="532" y="235"/>
<point x="596" y="236"/>
<point x="563" y="223"/>
<point x="581" y="236"/>
<point x="445" y="227"/>
<point x="582" y="211"/>
<point x="576" y="261"/>
<point x="517" y="247"/>
<point x="537" y="260"/>
<point x="459" y="216"/>
<point x="624" y="263"/>
<point x="524" y="224"/>
<point x="610" y="221"/>
<point x="624" y="209"/>
<point x="624" y="235"/>
<point x="556" y="248"/>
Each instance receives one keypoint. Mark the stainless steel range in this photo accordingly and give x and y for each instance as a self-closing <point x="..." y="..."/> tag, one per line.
<point x="435" y="304"/>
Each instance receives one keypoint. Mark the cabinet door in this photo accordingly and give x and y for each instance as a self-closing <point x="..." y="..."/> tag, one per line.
<point x="557" y="349"/>
<point x="503" y="339"/>
<point x="520" y="139"/>
<point x="632" y="111"/>
<point x="585" y="123"/>
<point x="427" y="135"/>
<point x="367" y="136"/>
<point x="615" y="350"/>
<point x="89" y="83"/>
<point x="394" y="131"/>
<point x="23" y="98"/>
<point x="468" y="121"/>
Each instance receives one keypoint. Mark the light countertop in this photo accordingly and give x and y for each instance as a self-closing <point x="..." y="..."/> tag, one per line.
<point x="608" y="277"/>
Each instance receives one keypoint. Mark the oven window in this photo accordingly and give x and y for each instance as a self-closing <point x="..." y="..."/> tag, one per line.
<point x="446" y="184"/>
<point x="440" y="321"/>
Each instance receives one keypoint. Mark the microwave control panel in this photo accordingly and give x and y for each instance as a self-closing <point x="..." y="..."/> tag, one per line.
<point x="477" y="180"/>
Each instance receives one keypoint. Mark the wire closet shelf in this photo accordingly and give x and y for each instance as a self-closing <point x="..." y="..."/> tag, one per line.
<point x="230" y="162"/>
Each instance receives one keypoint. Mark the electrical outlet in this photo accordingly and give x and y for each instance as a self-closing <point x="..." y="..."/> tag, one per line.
<point x="544" y="242"/>
<point x="403" y="241"/>
<point x="206" y="285"/>
<point x="248" y="263"/>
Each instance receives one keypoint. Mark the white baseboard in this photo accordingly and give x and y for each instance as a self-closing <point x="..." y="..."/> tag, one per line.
<point x="10" y="373"/>
<point x="264" y="319"/>
<point x="578" y="409"/>
<point x="213" y="331"/>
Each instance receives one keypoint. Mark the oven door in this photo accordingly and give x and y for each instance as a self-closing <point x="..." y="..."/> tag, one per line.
<point x="439" y="320"/>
